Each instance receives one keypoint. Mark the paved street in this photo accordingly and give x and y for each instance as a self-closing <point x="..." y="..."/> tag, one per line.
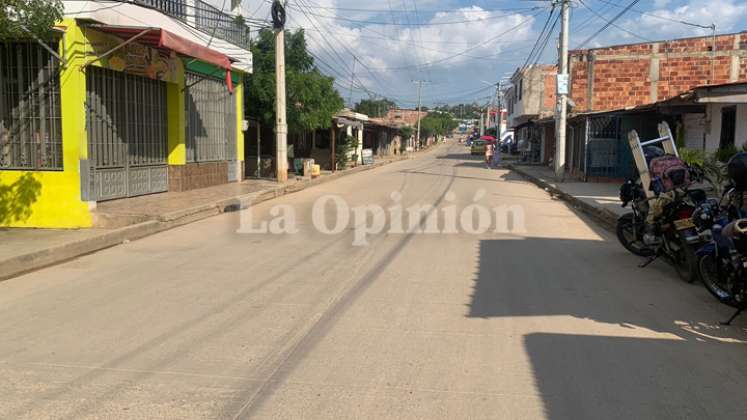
<point x="552" y="321"/>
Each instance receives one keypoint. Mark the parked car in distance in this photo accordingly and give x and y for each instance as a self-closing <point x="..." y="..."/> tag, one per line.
<point x="478" y="147"/>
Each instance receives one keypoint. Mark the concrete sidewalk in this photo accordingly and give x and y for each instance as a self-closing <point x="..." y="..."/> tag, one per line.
<point x="600" y="200"/>
<point x="118" y="221"/>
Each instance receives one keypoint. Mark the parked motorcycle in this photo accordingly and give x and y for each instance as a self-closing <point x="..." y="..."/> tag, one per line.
<point x="673" y="235"/>
<point x="722" y="261"/>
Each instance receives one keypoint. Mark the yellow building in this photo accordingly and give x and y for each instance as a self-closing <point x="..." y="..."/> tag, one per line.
<point x="122" y="101"/>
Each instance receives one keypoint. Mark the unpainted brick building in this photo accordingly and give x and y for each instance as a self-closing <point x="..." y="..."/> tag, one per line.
<point x="630" y="75"/>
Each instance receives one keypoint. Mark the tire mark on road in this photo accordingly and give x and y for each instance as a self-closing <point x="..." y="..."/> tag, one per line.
<point x="294" y="353"/>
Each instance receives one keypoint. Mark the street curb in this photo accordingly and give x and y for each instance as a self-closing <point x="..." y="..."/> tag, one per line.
<point x="603" y="217"/>
<point x="22" y="264"/>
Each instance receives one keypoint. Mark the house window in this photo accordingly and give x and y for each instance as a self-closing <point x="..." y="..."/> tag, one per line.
<point x="728" y="126"/>
<point x="30" y="120"/>
<point x="211" y="119"/>
<point x="521" y="87"/>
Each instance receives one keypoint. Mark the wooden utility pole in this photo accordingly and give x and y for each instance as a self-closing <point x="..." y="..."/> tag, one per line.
<point x="420" y="87"/>
<point x="333" y="146"/>
<point x="562" y="89"/>
<point x="352" y="79"/>
<point x="281" y="124"/>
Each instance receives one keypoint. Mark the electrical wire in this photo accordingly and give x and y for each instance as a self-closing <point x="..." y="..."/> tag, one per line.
<point x="547" y="40"/>
<point x="612" y="23"/>
<point x="349" y="51"/>
<point x="383" y="11"/>
<point x="465" y="51"/>
<point x="539" y="38"/>
<point x="683" y="22"/>
<point x="368" y="22"/>
<point x="608" y="24"/>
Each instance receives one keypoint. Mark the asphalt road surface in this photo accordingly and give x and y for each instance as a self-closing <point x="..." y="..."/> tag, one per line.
<point x="544" y="315"/>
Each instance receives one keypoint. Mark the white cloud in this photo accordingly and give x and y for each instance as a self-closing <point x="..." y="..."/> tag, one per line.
<point x="660" y="23"/>
<point x="443" y="53"/>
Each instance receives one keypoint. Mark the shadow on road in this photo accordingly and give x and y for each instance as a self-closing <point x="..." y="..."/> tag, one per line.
<point x="553" y="276"/>
<point x="600" y="377"/>
<point x="659" y="352"/>
<point x="466" y="155"/>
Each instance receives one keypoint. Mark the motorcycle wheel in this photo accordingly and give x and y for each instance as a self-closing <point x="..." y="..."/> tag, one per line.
<point x="685" y="261"/>
<point x="715" y="285"/>
<point x="630" y="235"/>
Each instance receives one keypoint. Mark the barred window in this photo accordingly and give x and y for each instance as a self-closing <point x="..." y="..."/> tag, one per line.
<point x="30" y="121"/>
<point x="211" y="120"/>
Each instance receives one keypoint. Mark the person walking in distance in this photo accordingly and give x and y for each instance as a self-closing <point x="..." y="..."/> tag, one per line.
<point x="496" y="155"/>
<point x="489" y="149"/>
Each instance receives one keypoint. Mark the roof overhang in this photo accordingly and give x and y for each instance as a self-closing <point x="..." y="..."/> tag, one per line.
<point x="352" y="115"/>
<point x="166" y="41"/>
<point x="125" y="18"/>
<point x="734" y="93"/>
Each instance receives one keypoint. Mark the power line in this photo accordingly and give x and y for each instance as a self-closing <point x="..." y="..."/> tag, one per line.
<point x="383" y="11"/>
<point x="683" y="22"/>
<point x="365" y="66"/>
<point x="336" y="53"/>
<point x="608" y="24"/>
<point x="612" y="23"/>
<point x="547" y="40"/>
<point x="419" y="35"/>
<point x="341" y="61"/>
<point x="456" y="22"/>
<point x="539" y="37"/>
<point x="465" y="51"/>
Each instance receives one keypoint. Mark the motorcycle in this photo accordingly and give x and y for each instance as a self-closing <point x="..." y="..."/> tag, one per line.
<point x="722" y="261"/>
<point x="673" y="234"/>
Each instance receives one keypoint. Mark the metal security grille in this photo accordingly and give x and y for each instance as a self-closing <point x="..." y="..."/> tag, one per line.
<point x="604" y="142"/>
<point x="224" y="26"/>
<point x="127" y="134"/>
<point x="30" y="122"/>
<point x="211" y="120"/>
<point x="175" y="8"/>
<point x="576" y="146"/>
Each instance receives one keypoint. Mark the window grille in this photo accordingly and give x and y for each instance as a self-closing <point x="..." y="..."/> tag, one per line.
<point x="30" y="119"/>
<point x="211" y="120"/>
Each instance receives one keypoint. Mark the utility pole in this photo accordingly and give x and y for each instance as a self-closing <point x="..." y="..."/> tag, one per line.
<point x="420" y="86"/>
<point x="562" y="89"/>
<point x="281" y="124"/>
<point x="501" y="121"/>
<point x="352" y="78"/>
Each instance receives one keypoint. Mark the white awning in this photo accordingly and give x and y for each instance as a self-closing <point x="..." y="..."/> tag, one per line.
<point x="117" y="13"/>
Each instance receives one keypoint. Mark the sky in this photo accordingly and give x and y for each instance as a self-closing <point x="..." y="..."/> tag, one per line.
<point x="461" y="48"/>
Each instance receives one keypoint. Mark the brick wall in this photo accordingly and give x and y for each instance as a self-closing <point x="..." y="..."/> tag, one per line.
<point x="537" y="96"/>
<point x="197" y="175"/>
<point x="630" y="75"/>
<point x="548" y="97"/>
<point x="409" y="116"/>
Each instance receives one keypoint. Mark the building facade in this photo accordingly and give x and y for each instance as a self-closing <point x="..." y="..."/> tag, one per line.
<point x="404" y="116"/>
<point x="122" y="100"/>
<point x="724" y="123"/>
<point x="624" y="76"/>
<point x="530" y="97"/>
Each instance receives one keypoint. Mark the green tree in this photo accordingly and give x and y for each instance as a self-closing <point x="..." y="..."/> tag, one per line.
<point x="374" y="107"/>
<point x="406" y="131"/>
<point x="343" y="146"/>
<point x="437" y="124"/>
<point x="19" y="17"/>
<point x="311" y="97"/>
<point x="467" y="111"/>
